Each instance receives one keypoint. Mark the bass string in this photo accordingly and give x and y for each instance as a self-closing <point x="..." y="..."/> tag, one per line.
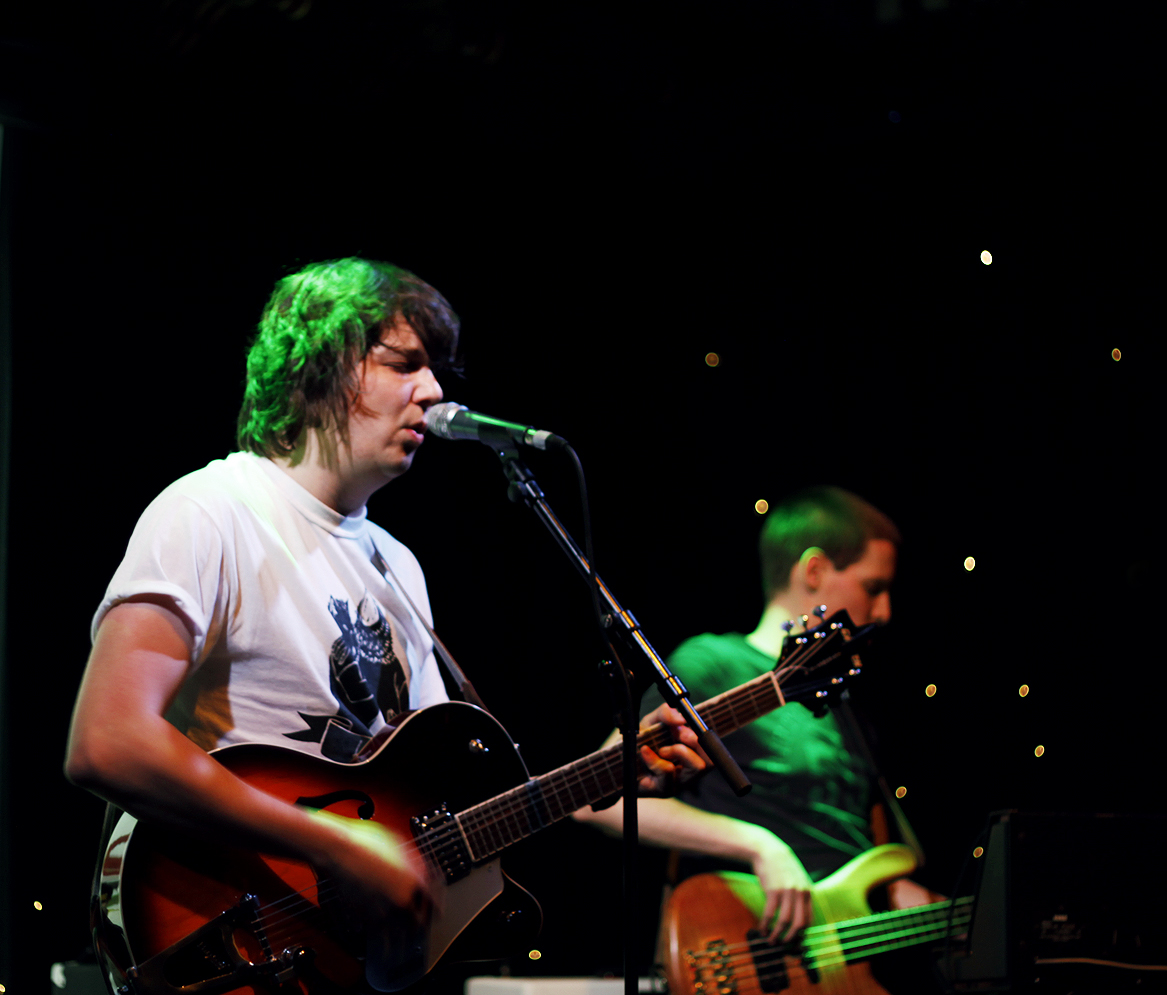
<point x="852" y="934"/>
<point x="829" y="955"/>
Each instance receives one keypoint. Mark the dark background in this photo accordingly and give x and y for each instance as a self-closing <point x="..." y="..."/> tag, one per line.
<point x="606" y="192"/>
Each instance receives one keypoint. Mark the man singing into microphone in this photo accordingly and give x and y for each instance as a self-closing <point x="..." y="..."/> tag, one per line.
<point x="256" y="602"/>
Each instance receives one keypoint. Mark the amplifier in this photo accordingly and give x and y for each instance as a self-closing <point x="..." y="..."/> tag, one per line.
<point x="1066" y="903"/>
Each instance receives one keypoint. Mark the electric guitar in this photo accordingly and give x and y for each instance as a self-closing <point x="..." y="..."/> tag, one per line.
<point x="713" y="945"/>
<point x="173" y="914"/>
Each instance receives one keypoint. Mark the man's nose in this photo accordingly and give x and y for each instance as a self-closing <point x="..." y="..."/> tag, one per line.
<point x="428" y="391"/>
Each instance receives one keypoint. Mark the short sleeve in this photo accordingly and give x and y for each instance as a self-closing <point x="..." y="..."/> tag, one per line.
<point x="176" y="551"/>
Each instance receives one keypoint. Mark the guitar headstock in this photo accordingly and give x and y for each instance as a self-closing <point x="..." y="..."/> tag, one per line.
<point x="817" y="664"/>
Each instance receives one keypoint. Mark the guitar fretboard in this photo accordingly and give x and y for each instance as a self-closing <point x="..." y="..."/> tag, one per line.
<point x="495" y="824"/>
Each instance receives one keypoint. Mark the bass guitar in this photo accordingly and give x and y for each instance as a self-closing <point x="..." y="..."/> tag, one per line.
<point x="172" y="913"/>
<point x="713" y="945"/>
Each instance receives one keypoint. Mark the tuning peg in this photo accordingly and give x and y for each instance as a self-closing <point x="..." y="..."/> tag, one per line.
<point x="805" y="620"/>
<point x="787" y="626"/>
<point x="820" y="611"/>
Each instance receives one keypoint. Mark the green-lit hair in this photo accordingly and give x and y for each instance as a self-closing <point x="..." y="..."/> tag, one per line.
<point x="838" y="522"/>
<point x="315" y="329"/>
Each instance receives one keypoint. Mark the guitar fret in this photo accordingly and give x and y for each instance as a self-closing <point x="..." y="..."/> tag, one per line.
<point x="492" y="825"/>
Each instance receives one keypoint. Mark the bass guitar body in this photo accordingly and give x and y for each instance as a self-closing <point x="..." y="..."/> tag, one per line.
<point x="173" y="913"/>
<point x="713" y="946"/>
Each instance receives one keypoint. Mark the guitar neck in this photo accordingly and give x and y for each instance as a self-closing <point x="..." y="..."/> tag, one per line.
<point x="869" y="936"/>
<point x="496" y="823"/>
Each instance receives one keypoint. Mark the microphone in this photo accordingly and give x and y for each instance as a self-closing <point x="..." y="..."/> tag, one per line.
<point x="450" y="420"/>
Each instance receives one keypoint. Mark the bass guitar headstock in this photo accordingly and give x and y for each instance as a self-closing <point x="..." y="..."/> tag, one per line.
<point x="817" y="664"/>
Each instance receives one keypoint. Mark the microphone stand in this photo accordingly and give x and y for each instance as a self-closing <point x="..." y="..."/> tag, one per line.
<point x="523" y="487"/>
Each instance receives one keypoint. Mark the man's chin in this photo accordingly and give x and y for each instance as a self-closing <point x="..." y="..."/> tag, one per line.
<point x="395" y="467"/>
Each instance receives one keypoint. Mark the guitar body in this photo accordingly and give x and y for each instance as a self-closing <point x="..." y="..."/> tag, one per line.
<point x="711" y="946"/>
<point x="174" y="913"/>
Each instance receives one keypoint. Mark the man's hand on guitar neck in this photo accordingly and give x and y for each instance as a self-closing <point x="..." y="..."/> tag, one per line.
<point x="672" y="765"/>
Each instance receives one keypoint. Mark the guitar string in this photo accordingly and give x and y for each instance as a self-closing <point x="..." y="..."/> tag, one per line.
<point x="852" y="934"/>
<point x="561" y="785"/>
<point x="852" y="938"/>
<point x="930" y="918"/>
<point x="483" y="818"/>
<point x="828" y="955"/>
<point x="772" y="965"/>
<point x="598" y="765"/>
<point x="488" y="820"/>
<point x="491" y="813"/>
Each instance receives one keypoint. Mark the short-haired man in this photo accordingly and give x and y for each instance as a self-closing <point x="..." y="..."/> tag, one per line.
<point x="810" y="806"/>
<point x="256" y="602"/>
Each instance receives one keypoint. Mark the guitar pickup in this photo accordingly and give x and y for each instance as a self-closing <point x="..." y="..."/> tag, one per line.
<point x="439" y="838"/>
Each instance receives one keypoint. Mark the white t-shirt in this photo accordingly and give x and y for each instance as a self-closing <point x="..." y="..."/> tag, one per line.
<point x="299" y="639"/>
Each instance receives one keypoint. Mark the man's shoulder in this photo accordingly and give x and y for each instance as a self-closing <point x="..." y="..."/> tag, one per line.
<point x="712" y="662"/>
<point x="714" y="646"/>
<point x="220" y="483"/>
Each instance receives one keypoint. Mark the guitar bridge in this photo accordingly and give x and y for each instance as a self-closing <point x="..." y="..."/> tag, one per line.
<point x="440" y="840"/>
<point x="207" y="961"/>
<point x="713" y="970"/>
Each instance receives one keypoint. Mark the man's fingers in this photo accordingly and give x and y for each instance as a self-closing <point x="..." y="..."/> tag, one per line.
<point x="689" y="761"/>
<point x="801" y="918"/>
<point x="793" y="913"/>
<point x="768" y="910"/>
<point x="785" y="911"/>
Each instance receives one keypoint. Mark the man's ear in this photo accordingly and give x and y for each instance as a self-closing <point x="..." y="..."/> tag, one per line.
<point x="812" y="567"/>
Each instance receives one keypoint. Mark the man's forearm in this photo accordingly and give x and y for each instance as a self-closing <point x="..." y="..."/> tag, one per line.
<point x="669" y="822"/>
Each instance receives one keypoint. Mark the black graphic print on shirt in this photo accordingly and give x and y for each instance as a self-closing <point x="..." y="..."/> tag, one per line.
<point x="365" y="676"/>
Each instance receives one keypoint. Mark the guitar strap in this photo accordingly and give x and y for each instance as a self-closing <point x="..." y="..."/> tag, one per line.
<point x="461" y="682"/>
<point x="855" y="732"/>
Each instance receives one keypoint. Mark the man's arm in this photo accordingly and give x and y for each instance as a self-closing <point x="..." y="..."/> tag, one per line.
<point x="121" y="748"/>
<point x="669" y="822"/>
